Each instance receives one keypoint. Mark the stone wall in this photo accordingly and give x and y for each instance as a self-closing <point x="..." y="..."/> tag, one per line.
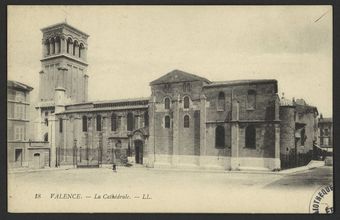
<point x="287" y="123"/>
<point x="265" y="102"/>
<point x="177" y="140"/>
<point x="93" y="139"/>
<point x="177" y="145"/>
<point x="64" y="73"/>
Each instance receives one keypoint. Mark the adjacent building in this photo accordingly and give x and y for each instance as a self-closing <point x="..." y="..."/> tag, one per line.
<point x="299" y="129"/>
<point x="22" y="150"/>
<point x="18" y="103"/>
<point x="326" y="133"/>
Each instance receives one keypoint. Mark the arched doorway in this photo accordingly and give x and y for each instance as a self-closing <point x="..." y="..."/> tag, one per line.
<point x="36" y="161"/>
<point x="139" y="151"/>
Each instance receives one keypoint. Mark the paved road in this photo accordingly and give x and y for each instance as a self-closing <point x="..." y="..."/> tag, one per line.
<point x="307" y="179"/>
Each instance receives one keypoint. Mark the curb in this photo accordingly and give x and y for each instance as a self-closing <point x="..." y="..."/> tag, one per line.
<point x="13" y="171"/>
<point x="146" y="169"/>
<point x="309" y="166"/>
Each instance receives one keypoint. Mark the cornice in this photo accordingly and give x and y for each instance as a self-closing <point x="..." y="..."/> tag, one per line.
<point x="64" y="56"/>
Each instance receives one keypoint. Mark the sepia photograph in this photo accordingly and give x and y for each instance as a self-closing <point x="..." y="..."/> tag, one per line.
<point x="170" y="109"/>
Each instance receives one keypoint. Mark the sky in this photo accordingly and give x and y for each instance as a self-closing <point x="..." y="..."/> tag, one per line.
<point x="130" y="46"/>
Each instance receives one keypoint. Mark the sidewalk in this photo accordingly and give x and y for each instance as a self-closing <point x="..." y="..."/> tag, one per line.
<point x="26" y="169"/>
<point x="311" y="165"/>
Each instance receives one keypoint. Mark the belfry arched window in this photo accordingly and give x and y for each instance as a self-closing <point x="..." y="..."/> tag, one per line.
<point x="167" y="103"/>
<point x="75" y="44"/>
<point x="221" y="101"/>
<point x="58" y="44"/>
<point x="81" y="47"/>
<point x="68" y="45"/>
<point x="52" y="46"/>
<point x="48" y="50"/>
<point x="219" y="137"/>
<point x="250" y="137"/>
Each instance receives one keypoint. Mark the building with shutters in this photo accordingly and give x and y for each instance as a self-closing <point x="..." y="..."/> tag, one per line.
<point x="21" y="150"/>
<point x="326" y="133"/>
<point x="17" y="123"/>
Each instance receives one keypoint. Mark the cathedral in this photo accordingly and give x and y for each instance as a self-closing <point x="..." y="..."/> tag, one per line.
<point x="187" y="122"/>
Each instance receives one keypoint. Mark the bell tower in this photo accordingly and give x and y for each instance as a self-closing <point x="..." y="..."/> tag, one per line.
<point x="63" y="77"/>
<point x="64" y="63"/>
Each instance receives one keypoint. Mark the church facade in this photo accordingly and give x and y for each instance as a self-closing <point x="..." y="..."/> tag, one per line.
<point x="187" y="122"/>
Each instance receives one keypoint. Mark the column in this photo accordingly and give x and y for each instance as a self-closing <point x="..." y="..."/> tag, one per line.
<point x="65" y="140"/>
<point x="93" y="131"/>
<point x="203" y="147"/>
<point x="83" y="92"/>
<point x="38" y="131"/>
<point x="70" y="48"/>
<point x="77" y="51"/>
<point x="63" y="45"/>
<point x="51" y="44"/>
<point x="77" y="129"/>
<point x="235" y="136"/>
<point x="176" y="131"/>
<point x="86" y="87"/>
<point x="52" y="139"/>
<point x="81" y="80"/>
<point x="41" y="84"/>
<point x="151" y="142"/>
<point x="61" y="75"/>
<point x="57" y="45"/>
<point x="84" y="53"/>
<point x="277" y="163"/>
<point x="44" y="48"/>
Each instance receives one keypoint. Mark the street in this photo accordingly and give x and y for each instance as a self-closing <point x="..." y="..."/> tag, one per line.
<point x="307" y="179"/>
<point x="151" y="190"/>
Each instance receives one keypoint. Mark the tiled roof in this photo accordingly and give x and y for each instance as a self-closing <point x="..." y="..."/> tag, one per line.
<point x="64" y="24"/>
<point x="240" y="82"/>
<point x="178" y="76"/>
<point x="109" y="105"/>
<point x="122" y="100"/>
<point x="103" y="109"/>
<point x="19" y="85"/>
<point x="325" y="120"/>
<point x="305" y="108"/>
